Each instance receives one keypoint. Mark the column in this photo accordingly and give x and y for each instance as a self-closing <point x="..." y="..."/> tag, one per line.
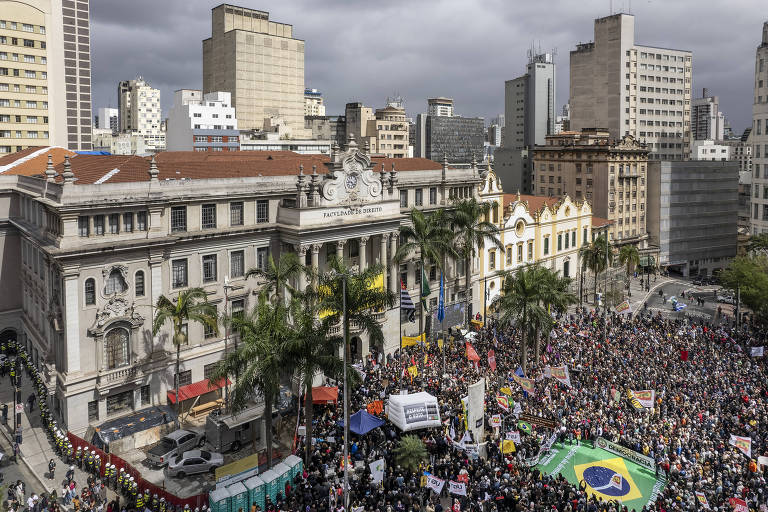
<point x="72" y="319"/>
<point x="383" y="258"/>
<point x="363" y="253"/>
<point x="340" y="250"/>
<point x="315" y="260"/>
<point x="393" y="278"/>
<point x="301" y="251"/>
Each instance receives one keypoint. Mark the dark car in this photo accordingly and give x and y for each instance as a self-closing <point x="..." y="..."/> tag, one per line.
<point x="698" y="281"/>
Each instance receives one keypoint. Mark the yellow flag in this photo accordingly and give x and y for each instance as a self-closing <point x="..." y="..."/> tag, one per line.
<point x="507" y="446"/>
<point x="426" y="357"/>
<point x="408" y="341"/>
<point x="413" y="370"/>
<point x="506" y="391"/>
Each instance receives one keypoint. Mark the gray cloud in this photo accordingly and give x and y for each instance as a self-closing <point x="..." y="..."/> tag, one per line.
<point x="359" y="50"/>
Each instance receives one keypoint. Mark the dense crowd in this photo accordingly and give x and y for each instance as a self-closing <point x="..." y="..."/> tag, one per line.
<point x="707" y="388"/>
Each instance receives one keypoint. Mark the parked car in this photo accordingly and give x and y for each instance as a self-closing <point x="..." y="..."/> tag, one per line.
<point x="726" y="299"/>
<point x="698" y="281"/>
<point x="173" y="444"/>
<point x="194" y="461"/>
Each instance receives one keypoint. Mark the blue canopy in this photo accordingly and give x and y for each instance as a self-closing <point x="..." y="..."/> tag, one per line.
<point x="361" y="422"/>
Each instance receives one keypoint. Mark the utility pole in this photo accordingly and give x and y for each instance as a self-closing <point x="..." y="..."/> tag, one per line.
<point x="346" y="393"/>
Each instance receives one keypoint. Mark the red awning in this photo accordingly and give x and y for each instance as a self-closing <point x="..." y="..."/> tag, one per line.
<point x="195" y="389"/>
<point x="325" y="395"/>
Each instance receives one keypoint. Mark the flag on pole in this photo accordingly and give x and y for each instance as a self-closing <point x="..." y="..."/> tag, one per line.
<point x="526" y="384"/>
<point x="503" y="402"/>
<point x="377" y="470"/>
<point x="702" y="499"/>
<point x="406" y="303"/>
<point x="472" y="353"/>
<point x="424" y="288"/>
<point x="435" y="483"/>
<point x="492" y="360"/>
<point x="743" y="444"/>
<point x="441" y="300"/>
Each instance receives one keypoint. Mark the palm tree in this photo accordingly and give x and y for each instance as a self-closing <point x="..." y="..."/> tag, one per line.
<point x="629" y="256"/>
<point x="311" y="349"/>
<point x="520" y="305"/>
<point x="410" y="453"/>
<point x="278" y="274"/>
<point x="758" y="243"/>
<point x="554" y="296"/>
<point x="191" y="305"/>
<point x="430" y="236"/>
<point x="597" y="256"/>
<point x="260" y="359"/>
<point x="472" y="229"/>
<point x="587" y="257"/>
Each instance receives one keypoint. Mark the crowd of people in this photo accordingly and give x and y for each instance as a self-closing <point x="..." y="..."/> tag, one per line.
<point x="707" y="388"/>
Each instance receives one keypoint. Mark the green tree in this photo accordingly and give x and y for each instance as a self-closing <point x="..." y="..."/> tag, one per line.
<point x="191" y="306"/>
<point x="749" y="275"/>
<point x="629" y="256"/>
<point x="311" y="349"/>
<point x="520" y="305"/>
<point x="260" y="359"/>
<point x="758" y="243"/>
<point x="471" y="222"/>
<point x="410" y="453"/>
<point x="555" y="296"/>
<point x="598" y="257"/>
<point x="278" y="274"/>
<point x="428" y="235"/>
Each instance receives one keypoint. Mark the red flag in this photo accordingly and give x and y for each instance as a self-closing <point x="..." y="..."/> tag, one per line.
<point x="738" y="505"/>
<point x="683" y="355"/>
<point x="472" y="353"/>
<point x="413" y="361"/>
<point x="492" y="360"/>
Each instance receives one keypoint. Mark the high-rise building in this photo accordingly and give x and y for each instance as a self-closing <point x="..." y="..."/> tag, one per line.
<point x="760" y="138"/>
<point x="140" y="112"/>
<point x="260" y="63"/>
<point x="707" y="122"/>
<point x="384" y="131"/>
<point x="632" y="89"/>
<point x="198" y="122"/>
<point x="313" y="103"/>
<point x="456" y="139"/>
<point x="529" y="112"/>
<point x="107" y="119"/>
<point x="440" y="106"/>
<point x="45" y="83"/>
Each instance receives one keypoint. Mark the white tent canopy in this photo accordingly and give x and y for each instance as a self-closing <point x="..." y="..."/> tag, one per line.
<point x="414" y="411"/>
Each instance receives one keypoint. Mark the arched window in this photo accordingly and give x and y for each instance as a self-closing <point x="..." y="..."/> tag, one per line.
<point x="90" y="292"/>
<point x="115" y="283"/>
<point x="139" y="278"/>
<point x="116" y="347"/>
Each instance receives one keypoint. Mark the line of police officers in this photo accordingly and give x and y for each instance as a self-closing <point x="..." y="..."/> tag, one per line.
<point x="90" y="462"/>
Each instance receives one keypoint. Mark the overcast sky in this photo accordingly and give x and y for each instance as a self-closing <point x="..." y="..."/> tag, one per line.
<point x="360" y="50"/>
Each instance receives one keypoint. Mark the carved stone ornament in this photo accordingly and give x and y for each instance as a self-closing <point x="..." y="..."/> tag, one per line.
<point x="352" y="180"/>
<point x="117" y="308"/>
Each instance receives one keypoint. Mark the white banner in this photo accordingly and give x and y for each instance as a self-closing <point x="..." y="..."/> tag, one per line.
<point x="495" y="420"/>
<point x="514" y="436"/>
<point x="762" y="461"/>
<point x="459" y="488"/>
<point x="435" y="483"/>
<point x="646" y="397"/>
<point x="476" y="410"/>
<point x="757" y="351"/>
<point x="377" y="470"/>
<point x="743" y="444"/>
<point x="560" y="373"/>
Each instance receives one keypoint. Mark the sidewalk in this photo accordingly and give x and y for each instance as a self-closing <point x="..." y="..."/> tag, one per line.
<point x="35" y="448"/>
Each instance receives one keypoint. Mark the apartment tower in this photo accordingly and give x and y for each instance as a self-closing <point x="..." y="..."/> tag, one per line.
<point x="707" y="122"/>
<point x="632" y="89"/>
<point x="260" y="63"/>
<point x="759" y="137"/>
<point x="45" y="74"/>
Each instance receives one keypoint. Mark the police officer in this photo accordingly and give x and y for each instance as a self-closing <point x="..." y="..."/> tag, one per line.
<point x="155" y="503"/>
<point x="134" y="491"/>
<point x="140" y="501"/>
<point x="97" y="465"/>
<point x="107" y="472"/>
<point x="146" y="497"/>
<point x="79" y="456"/>
<point x="69" y="452"/>
<point x="162" y="505"/>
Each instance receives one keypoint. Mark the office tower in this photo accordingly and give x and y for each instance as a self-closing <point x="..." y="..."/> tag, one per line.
<point x="529" y="113"/>
<point x="631" y="89"/>
<point x="440" y="106"/>
<point x="260" y="63"/>
<point x="107" y="119"/>
<point x="140" y="112"/>
<point x="313" y="103"/>
<point x="441" y="134"/>
<point x="707" y="122"/>
<point x="45" y="77"/>
<point x="198" y="122"/>
<point x="759" y="136"/>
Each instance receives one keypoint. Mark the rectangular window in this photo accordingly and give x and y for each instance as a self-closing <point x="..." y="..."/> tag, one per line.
<point x="141" y="221"/>
<point x="567" y="241"/>
<point x="585" y="238"/>
<point x="120" y="402"/>
<point x="419" y="197"/>
<point x="98" y="224"/>
<point x="573" y="238"/>
<point x="262" y="256"/>
<point x="262" y="211"/>
<point x="432" y="195"/>
<point x="509" y="256"/>
<point x="82" y="226"/>
<point x="145" y="395"/>
<point x="530" y="251"/>
<point x="179" y="273"/>
<point x="492" y="260"/>
<point x="546" y="245"/>
<point x="209" y="268"/>
<point x="209" y="216"/>
<point x="93" y="410"/>
<point x="208" y="370"/>
<point x="403" y="199"/>
<point x="237" y="264"/>
<point x="520" y="252"/>
<point x="178" y="218"/>
<point x="560" y="242"/>
<point x="139" y="284"/>
<point x="238" y="308"/>
<point x="185" y="378"/>
<point x="209" y="332"/>
<point x="128" y="222"/>
<point x="236" y="213"/>
<point x="114" y="223"/>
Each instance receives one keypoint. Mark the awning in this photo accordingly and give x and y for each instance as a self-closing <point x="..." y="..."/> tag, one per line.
<point x="195" y="389"/>
<point x="361" y="422"/>
<point x="325" y="395"/>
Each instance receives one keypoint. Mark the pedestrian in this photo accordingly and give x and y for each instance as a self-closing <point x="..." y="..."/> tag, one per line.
<point x="51" y="469"/>
<point x="31" y="402"/>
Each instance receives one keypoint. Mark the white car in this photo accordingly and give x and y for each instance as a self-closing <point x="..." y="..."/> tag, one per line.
<point x="194" y="461"/>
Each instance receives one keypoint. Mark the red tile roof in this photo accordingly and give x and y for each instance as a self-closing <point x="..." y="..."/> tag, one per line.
<point x="32" y="161"/>
<point x="89" y="169"/>
<point x="599" y="222"/>
<point x="535" y="203"/>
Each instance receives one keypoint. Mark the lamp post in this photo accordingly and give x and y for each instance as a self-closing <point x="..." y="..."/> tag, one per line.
<point x="346" y="392"/>
<point x="227" y="287"/>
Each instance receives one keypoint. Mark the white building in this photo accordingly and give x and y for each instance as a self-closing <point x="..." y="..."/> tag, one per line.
<point x="271" y="141"/>
<point x="440" y="107"/>
<point x="759" y="137"/>
<point x="140" y="112"/>
<point x="707" y="122"/>
<point x="710" y="150"/>
<point x="118" y="143"/>
<point x="313" y="103"/>
<point x="632" y="89"/>
<point x="198" y="122"/>
<point x="107" y="119"/>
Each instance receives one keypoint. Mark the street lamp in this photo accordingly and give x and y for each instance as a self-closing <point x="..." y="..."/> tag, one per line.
<point x="227" y="287"/>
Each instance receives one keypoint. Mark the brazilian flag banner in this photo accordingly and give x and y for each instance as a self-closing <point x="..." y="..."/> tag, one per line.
<point x="524" y="427"/>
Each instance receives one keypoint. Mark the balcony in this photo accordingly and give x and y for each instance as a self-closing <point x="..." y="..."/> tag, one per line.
<point x="117" y="376"/>
<point x="354" y="328"/>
